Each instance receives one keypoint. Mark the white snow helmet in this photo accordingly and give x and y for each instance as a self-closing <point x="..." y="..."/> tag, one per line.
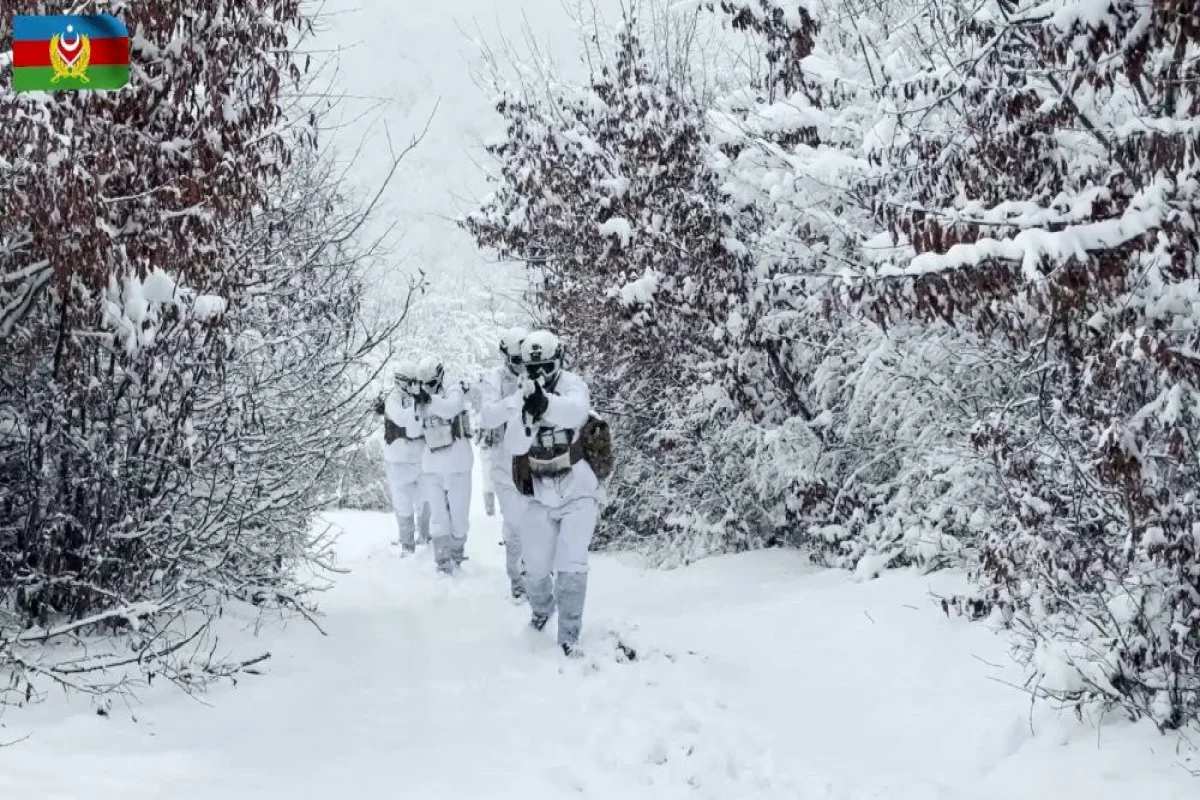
<point x="430" y="373"/>
<point x="510" y="348"/>
<point x="405" y="371"/>
<point x="405" y="376"/>
<point x="542" y="354"/>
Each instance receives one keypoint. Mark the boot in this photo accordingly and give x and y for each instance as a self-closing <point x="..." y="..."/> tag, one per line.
<point x="572" y="591"/>
<point x="407" y="527"/>
<point x="512" y="562"/>
<point x="423" y="525"/>
<point x="443" y="554"/>
<point x="541" y="600"/>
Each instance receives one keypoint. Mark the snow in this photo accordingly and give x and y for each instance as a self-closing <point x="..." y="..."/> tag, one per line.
<point x="640" y="291"/>
<point x="1147" y="211"/>
<point x="207" y="306"/>
<point x="159" y="287"/>
<point x="434" y="72"/>
<point x="757" y="676"/>
<point x="1066" y="13"/>
<point x="618" y="227"/>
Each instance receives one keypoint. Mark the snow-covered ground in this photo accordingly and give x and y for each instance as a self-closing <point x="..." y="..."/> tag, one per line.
<point x="756" y="677"/>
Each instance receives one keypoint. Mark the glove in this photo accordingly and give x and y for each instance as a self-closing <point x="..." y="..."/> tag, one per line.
<point x="536" y="403"/>
<point x="423" y="397"/>
<point x="379" y="406"/>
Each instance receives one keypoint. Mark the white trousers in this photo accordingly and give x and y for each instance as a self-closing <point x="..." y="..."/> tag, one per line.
<point x="404" y="486"/>
<point x="513" y="508"/>
<point x="449" y="498"/>
<point x="557" y="539"/>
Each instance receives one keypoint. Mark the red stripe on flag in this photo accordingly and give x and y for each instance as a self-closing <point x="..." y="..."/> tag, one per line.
<point x="104" y="52"/>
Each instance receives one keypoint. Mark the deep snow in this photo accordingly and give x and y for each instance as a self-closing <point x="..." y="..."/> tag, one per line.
<point x="757" y="677"/>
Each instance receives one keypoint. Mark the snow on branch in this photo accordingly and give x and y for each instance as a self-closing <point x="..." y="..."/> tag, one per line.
<point x="1146" y="212"/>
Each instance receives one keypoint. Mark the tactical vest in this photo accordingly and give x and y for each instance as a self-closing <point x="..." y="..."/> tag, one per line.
<point x="555" y="452"/>
<point x="440" y="433"/>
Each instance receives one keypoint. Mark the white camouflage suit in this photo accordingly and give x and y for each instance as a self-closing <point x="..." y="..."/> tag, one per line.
<point x="500" y="403"/>
<point x="561" y="516"/>
<point x="446" y="478"/>
<point x="402" y="464"/>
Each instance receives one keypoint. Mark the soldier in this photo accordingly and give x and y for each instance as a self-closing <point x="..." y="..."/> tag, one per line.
<point x="402" y="452"/>
<point x="565" y="494"/>
<point x="446" y="462"/>
<point x="500" y="407"/>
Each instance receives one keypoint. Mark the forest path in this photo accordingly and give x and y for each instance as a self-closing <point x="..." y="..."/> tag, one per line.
<point x="756" y="676"/>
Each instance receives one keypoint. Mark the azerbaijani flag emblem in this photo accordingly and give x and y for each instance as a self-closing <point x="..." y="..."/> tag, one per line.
<point x="52" y="54"/>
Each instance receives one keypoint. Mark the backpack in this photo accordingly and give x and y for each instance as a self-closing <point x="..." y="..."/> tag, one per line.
<point x="597" y="445"/>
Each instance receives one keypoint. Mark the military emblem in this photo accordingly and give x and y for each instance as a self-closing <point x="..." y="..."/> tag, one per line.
<point x="69" y="57"/>
<point x="69" y="52"/>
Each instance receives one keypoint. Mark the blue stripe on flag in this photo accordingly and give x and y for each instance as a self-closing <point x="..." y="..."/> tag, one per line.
<point x="41" y="29"/>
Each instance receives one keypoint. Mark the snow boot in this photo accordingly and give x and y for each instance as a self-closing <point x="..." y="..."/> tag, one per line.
<point x="571" y="588"/>
<point x="443" y="554"/>
<point x="571" y="650"/>
<point x="407" y="550"/>
<point x="538" y="621"/>
<point x="404" y="538"/>
<point x="423" y="536"/>
<point x="518" y="593"/>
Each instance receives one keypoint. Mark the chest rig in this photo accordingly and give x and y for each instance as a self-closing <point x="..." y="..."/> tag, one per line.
<point x="392" y="431"/>
<point x="554" y="452"/>
<point x="441" y="433"/>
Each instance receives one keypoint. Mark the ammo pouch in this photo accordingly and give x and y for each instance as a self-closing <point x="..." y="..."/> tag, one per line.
<point x="493" y="437"/>
<point x="552" y="455"/>
<point x="440" y="434"/>
<point x="392" y="431"/>
<point x="550" y="463"/>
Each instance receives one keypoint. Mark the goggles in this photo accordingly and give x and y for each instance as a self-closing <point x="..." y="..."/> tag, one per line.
<point x="541" y="369"/>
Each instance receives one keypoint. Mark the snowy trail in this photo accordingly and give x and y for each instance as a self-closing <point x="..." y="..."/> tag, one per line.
<point x="757" y="677"/>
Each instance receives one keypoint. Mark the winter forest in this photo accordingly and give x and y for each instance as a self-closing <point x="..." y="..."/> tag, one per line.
<point x="893" y="309"/>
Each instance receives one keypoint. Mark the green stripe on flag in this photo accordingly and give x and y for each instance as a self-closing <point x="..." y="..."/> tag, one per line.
<point x="41" y="79"/>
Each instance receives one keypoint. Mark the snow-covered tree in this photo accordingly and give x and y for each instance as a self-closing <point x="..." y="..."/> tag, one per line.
<point x="1057" y="215"/>
<point x="606" y="191"/>
<point x="180" y="345"/>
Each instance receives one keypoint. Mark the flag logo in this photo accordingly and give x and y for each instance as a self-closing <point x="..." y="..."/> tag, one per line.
<point x="70" y="60"/>
<point x="57" y="53"/>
